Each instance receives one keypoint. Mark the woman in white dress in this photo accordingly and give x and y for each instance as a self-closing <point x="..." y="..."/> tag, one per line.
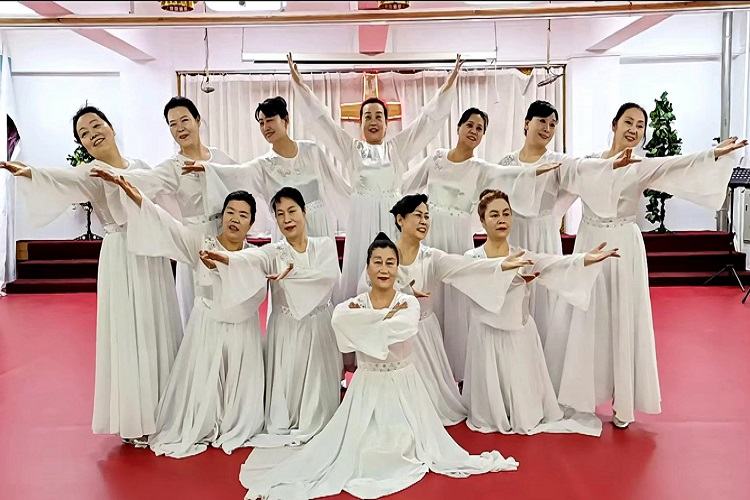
<point x="385" y="436"/>
<point x="423" y="269"/>
<point x="138" y="328"/>
<point x="374" y="166"/>
<point x="507" y="387"/>
<point x="607" y="352"/>
<point x="453" y="180"/>
<point x="193" y="204"/>
<point x="214" y="395"/>
<point x="299" y="164"/>
<point x="538" y="223"/>
<point x="303" y="364"/>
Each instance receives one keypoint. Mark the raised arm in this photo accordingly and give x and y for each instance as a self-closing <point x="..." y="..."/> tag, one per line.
<point x="415" y="137"/>
<point x="330" y="133"/>
<point x="415" y="179"/>
<point x="49" y="192"/>
<point x="700" y="178"/>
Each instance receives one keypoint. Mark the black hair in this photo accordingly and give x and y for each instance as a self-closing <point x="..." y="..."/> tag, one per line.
<point x="407" y="205"/>
<point x="382" y="241"/>
<point x="373" y="100"/>
<point x="540" y="109"/>
<point x="241" y="196"/>
<point x="273" y="106"/>
<point x="288" y="192"/>
<point x="85" y="109"/>
<point x="474" y="111"/>
<point x="627" y="106"/>
<point x="181" y="102"/>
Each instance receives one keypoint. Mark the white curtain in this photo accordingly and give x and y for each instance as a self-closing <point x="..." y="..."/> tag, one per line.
<point x="7" y="185"/>
<point x="229" y="122"/>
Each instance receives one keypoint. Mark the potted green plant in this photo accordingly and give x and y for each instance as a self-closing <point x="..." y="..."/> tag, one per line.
<point x="664" y="142"/>
<point x="81" y="157"/>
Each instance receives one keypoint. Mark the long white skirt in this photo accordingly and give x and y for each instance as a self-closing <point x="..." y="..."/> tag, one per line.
<point x="303" y="378"/>
<point x="432" y="364"/>
<point x="215" y="392"/>
<point x="508" y="389"/>
<point x="608" y="351"/>
<point x="452" y="233"/>
<point x="541" y="235"/>
<point x="384" y="437"/>
<point x="369" y="215"/>
<point x="138" y="332"/>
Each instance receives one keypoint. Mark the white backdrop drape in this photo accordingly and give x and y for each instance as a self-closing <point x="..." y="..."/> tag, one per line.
<point x="505" y="94"/>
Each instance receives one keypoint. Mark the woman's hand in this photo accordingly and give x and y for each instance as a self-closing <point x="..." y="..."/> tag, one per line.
<point x="514" y="261"/>
<point x="210" y="258"/>
<point x="16" y="168"/>
<point x="398" y="307"/>
<point x="625" y="158"/>
<point x="598" y="254"/>
<point x="728" y="146"/>
<point x="417" y="293"/>
<point x="189" y="167"/>
<point x="451" y="81"/>
<point x="547" y="167"/>
<point x="277" y="277"/>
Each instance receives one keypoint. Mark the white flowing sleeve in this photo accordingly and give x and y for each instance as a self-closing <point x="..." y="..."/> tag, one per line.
<point x="594" y="180"/>
<point x="415" y="179"/>
<point x="152" y="232"/>
<point x="482" y="280"/>
<point x="246" y="274"/>
<point x="50" y="192"/>
<point x="367" y="331"/>
<point x="414" y="138"/>
<point x="223" y="179"/>
<point x="519" y="183"/>
<point x="162" y="179"/>
<point x="567" y="276"/>
<point x="336" y="190"/>
<point x="697" y="178"/>
<point x="306" y="289"/>
<point x="331" y="134"/>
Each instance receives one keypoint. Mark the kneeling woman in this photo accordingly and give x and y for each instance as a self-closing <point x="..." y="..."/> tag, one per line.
<point x="214" y="395"/>
<point x="303" y="364"/>
<point x="507" y="387"/>
<point x="386" y="435"/>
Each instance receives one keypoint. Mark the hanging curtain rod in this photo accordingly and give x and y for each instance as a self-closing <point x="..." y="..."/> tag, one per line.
<point x="395" y="69"/>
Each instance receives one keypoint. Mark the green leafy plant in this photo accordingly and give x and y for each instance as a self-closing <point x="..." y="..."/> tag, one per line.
<point x="664" y="142"/>
<point x="80" y="156"/>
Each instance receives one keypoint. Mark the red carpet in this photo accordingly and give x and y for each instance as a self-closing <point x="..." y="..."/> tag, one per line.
<point x="699" y="448"/>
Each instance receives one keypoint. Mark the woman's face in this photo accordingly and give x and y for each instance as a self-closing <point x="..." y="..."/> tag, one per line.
<point x="236" y="220"/>
<point x="373" y="123"/>
<point x="498" y="220"/>
<point x="471" y="132"/>
<point x="273" y="128"/>
<point x="630" y="128"/>
<point x="540" y="131"/>
<point x="185" y="129"/>
<point x="417" y="223"/>
<point x="382" y="268"/>
<point x="95" y="134"/>
<point x="291" y="218"/>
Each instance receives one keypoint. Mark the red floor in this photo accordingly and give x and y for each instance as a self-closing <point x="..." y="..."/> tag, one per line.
<point x="698" y="448"/>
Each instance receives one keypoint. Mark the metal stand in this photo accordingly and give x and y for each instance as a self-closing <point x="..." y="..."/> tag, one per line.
<point x="739" y="179"/>
<point x="88" y="236"/>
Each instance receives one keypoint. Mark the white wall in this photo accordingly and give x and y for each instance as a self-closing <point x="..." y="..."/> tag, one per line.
<point x="55" y="73"/>
<point x="596" y="84"/>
